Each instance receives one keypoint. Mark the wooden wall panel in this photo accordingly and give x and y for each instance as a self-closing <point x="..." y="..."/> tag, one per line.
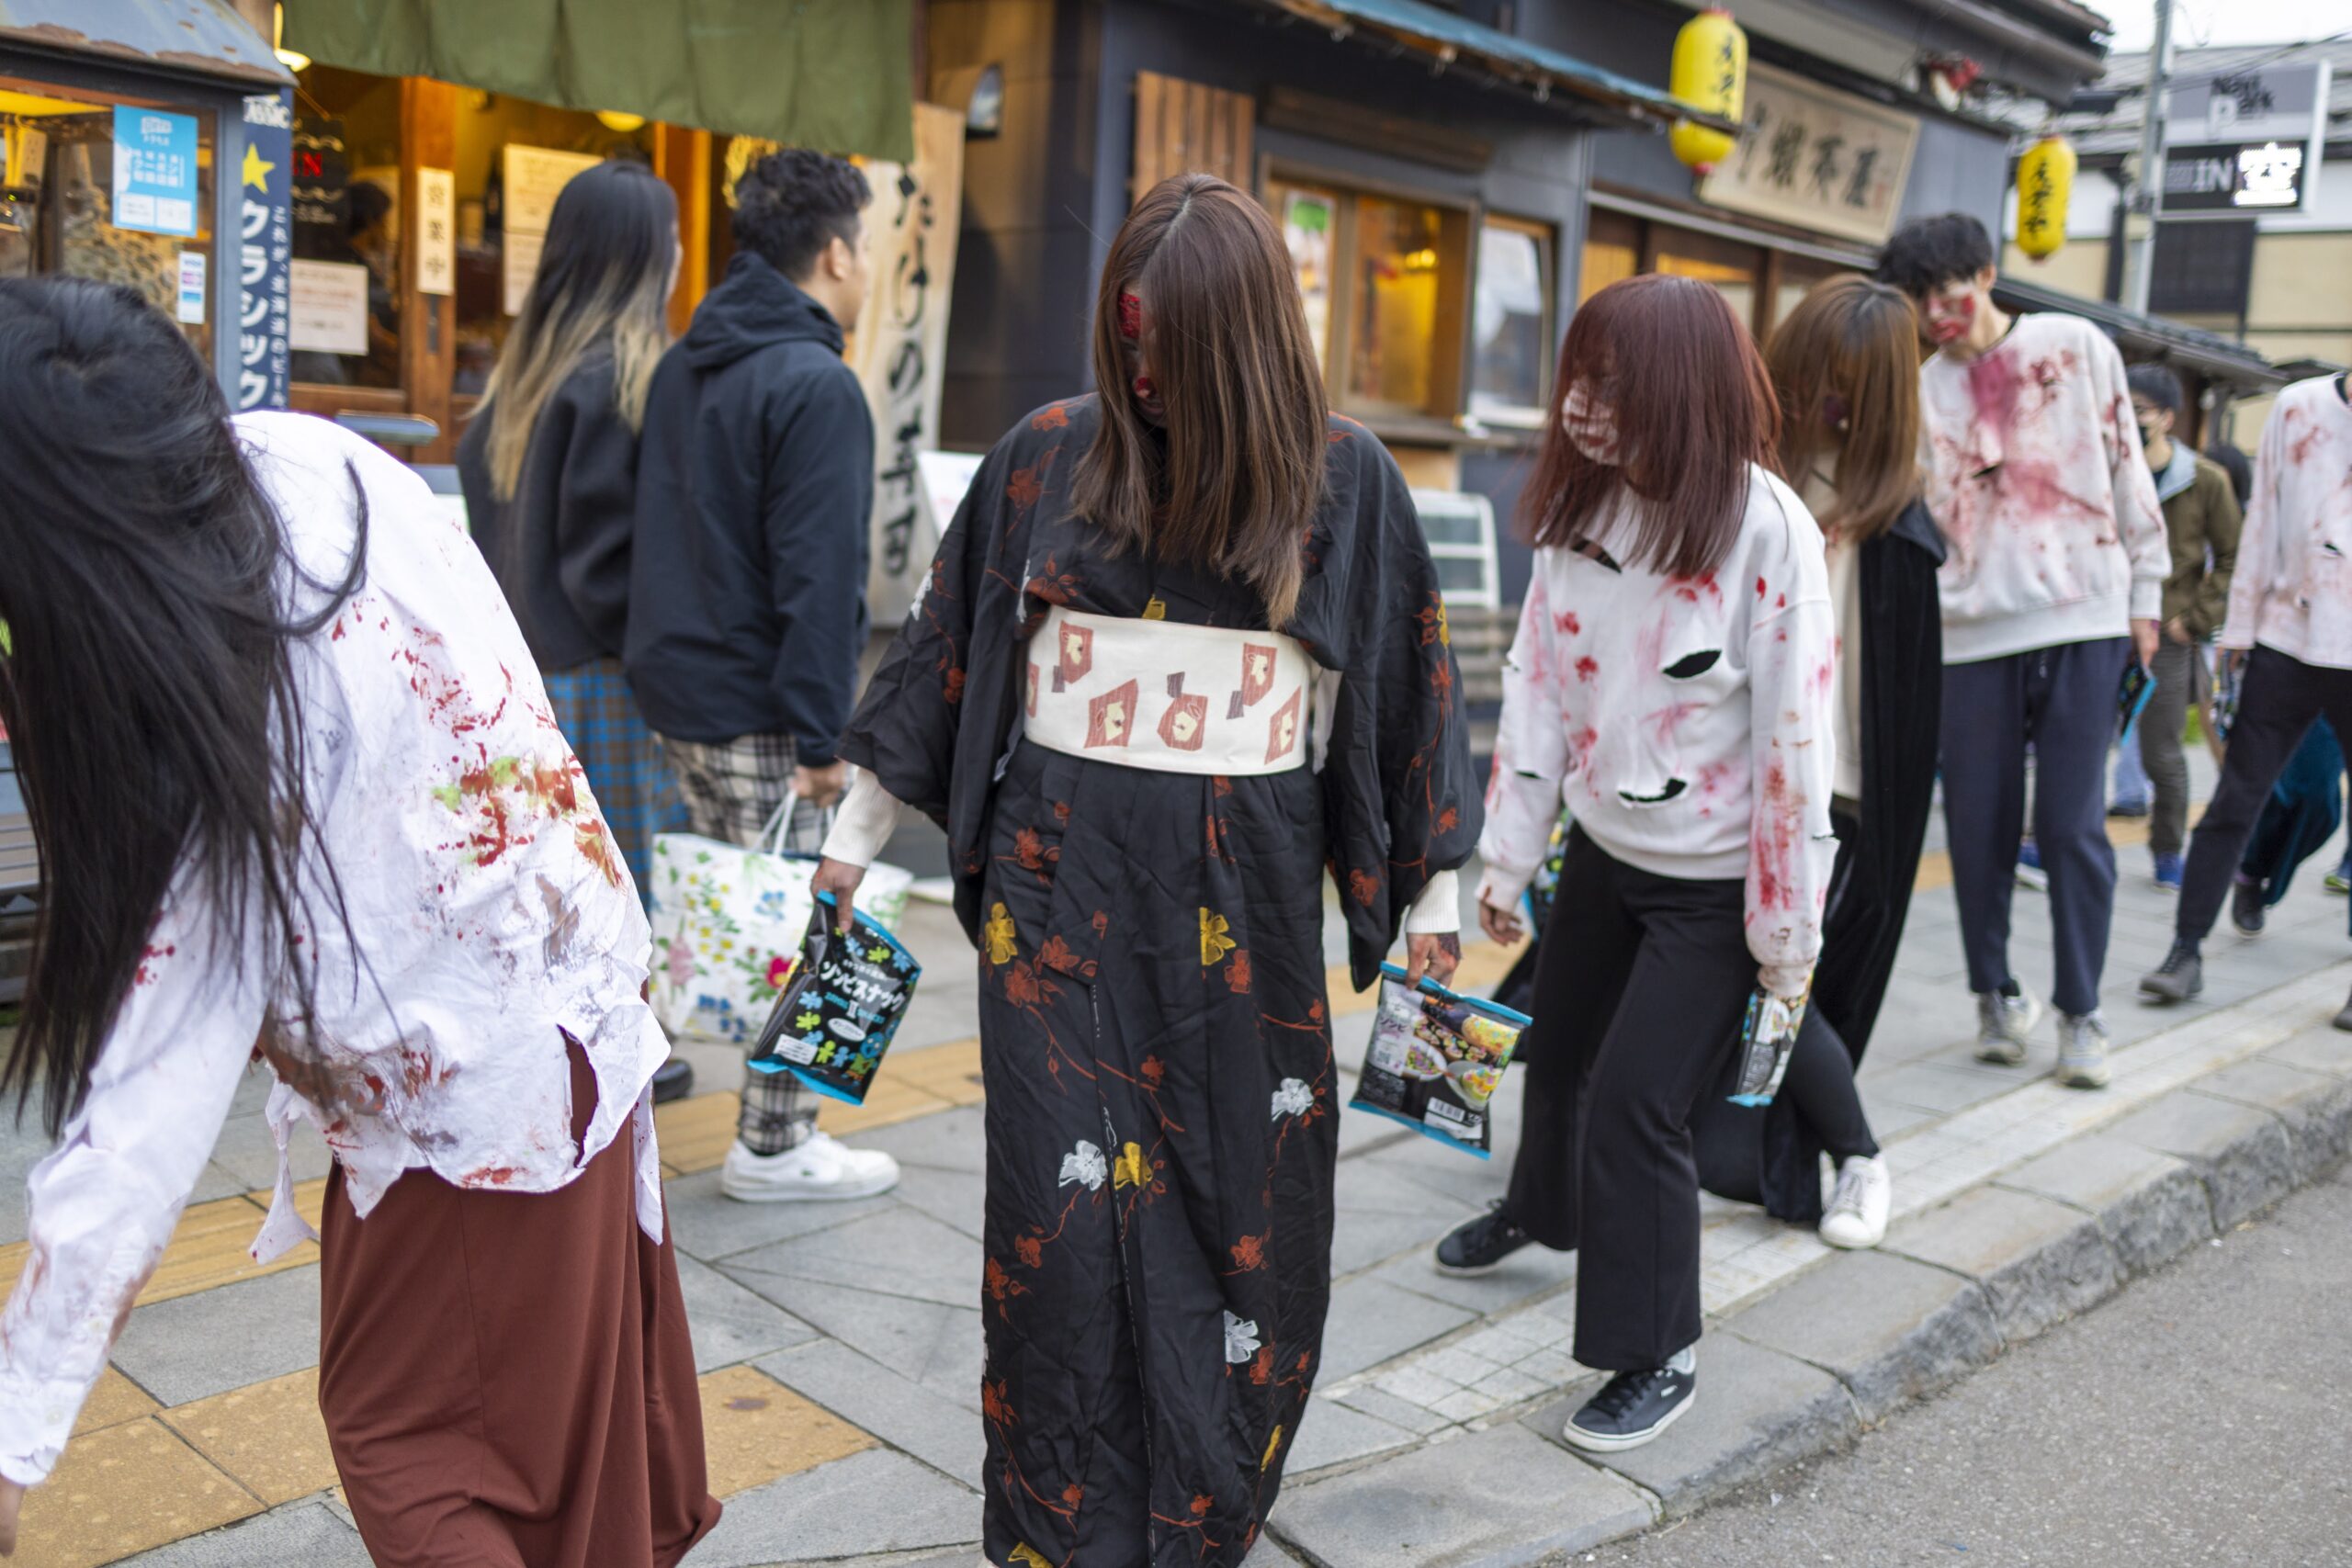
<point x="1185" y="127"/>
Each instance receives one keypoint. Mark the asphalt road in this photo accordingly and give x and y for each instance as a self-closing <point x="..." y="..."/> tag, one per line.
<point x="2199" y="1418"/>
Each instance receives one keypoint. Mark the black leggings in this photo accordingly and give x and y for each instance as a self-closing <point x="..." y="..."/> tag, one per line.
<point x="1819" y="1088"/>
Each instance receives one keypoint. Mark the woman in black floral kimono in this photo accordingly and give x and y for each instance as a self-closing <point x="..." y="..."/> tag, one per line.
<point x="1181" y="648"/>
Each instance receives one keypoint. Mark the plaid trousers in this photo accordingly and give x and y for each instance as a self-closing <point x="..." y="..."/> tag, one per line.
<point x="732" y="789"/>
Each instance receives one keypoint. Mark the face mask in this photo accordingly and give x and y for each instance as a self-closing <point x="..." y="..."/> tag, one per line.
<point x="1590" y="425"/>
<point x="2147" y="433"/>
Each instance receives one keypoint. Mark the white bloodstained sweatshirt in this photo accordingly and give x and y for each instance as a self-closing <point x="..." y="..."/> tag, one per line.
<point x="2293" y="588"/>
<point x="2034" y="474"/>
<point x="1689" y="723"/>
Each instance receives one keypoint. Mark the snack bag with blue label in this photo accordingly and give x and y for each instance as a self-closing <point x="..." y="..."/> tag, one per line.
<point x="845" y="999"/>
<point x="1435" y="1060"/>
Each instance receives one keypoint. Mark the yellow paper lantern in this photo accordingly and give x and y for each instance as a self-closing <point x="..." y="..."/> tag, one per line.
<point x="2045" y="181"/>
<point x="1710" y="75"/>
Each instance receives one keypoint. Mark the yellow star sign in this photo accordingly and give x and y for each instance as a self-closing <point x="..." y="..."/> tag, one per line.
<point x="257" y="168"/>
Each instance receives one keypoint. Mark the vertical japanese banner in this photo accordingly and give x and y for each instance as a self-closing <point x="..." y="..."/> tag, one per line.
<point x="901" y="348"/>
<point x="265" y="251"/>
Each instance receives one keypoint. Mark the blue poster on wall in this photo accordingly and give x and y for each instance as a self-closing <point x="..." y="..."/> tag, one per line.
<point x="265" y="250"/>
<point x="154" y="170"/>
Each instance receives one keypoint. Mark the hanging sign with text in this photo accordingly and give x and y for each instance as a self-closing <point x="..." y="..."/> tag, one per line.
<point x="900" y="348"/>
<point x="1816" y="158"/>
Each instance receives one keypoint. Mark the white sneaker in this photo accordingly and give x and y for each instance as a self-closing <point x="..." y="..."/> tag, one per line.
<point x="819" y="1166"/>
<point x="1858" y="1209"/>
<point x="2004" y="1025"/>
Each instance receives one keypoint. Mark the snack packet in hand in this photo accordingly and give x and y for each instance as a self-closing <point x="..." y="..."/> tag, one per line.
<point x="847" y="994"/>
<point x="1765" y="1043"/>
<point x="1436" y="1059"/>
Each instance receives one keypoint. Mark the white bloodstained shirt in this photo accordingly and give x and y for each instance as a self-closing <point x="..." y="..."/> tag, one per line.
<point x="2293" y="588"/>
<point x="1689" y="724"/>
<point x="491" y="913"/>
<point x="2035" y="475"/>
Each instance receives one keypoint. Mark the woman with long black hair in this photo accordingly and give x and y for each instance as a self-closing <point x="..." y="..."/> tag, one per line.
<point x="549" y="470"/>
<point x="1181" y="648"/>
<point x="299" y="797"/>
<point x="1673" y="681"/>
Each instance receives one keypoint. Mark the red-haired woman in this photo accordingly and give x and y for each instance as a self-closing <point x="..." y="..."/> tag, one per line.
<point x="1182" y="647"/>
<point x="1673" y="681"/>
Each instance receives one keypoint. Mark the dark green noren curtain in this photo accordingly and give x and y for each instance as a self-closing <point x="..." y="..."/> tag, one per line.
<point x="833" y="74"/>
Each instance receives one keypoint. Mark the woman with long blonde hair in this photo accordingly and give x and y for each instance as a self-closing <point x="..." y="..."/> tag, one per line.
<point x="549" y="470"/>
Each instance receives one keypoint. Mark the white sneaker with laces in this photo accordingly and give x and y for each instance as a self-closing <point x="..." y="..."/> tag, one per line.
<point x="1858" y="1209"/>
<point x="820" y="1167"/>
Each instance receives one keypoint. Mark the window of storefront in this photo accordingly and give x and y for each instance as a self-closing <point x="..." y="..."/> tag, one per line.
<point x="1510" y="315"/>
<point x="1385" y="281"/>
<point x="347" y="262"/>
<point x="112" y="189"/>
<point x="1760" y="282"/>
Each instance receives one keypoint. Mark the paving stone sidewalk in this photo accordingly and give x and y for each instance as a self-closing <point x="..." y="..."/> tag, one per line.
<point x="840" y="1343"/>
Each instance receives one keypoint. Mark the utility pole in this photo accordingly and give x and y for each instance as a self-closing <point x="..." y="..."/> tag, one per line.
<point x="2147" y="194"/>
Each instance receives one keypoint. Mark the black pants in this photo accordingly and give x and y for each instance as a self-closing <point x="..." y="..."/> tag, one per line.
<point x="2061" y="701"/>
<point x="2279" y="699"/>
<point x="1819" y="1087"/>
<point x="1640" y="988"/>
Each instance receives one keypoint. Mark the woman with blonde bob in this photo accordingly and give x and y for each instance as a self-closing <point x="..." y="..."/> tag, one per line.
<point x="1181" y="648"/>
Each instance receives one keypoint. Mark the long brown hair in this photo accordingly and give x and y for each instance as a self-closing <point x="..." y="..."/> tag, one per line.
<point x="1846" y="364"/>
<point x="1246" y="418"/>
<point x="1693" y="410"/>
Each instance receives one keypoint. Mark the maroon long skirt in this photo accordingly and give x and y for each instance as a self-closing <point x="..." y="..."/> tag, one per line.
<point x="506" y="1377"/>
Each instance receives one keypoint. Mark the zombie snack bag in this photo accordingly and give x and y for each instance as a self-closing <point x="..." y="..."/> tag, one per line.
<point x="1436" y="1059"/>
<point x="835" y="1018"/>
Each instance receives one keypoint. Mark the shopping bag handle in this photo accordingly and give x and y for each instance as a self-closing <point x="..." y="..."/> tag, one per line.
<point x="772" y="837"/>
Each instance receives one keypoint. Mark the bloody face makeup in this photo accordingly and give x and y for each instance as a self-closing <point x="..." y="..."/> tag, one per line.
<point x="1134" y="332"/>
<point x="1590" y="424"/>
<point x="1950" y="312"/>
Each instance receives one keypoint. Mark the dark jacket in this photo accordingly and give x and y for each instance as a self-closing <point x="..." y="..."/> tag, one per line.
<point x="755" y="480"/>
<point x="560" y="547"/>
<point x="1878" y="860"/>
<point x="2201" y="522"/>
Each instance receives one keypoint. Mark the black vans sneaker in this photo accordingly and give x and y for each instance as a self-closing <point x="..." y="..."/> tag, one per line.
<point x="1633" y="1407"/>
<point x="2180" y="976"/>
<point x="1475" y="1246"/>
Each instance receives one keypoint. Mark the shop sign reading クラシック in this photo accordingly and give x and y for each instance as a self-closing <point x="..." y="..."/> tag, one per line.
<point x="265" y="250"/>
<point x="154" y="170"/>
<point x="1816" y="158"/>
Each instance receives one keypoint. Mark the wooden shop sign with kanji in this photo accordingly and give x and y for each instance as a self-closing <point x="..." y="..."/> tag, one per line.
<point x="1817" y="158"/>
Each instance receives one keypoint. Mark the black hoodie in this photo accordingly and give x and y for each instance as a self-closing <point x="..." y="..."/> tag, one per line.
<point x="755" y="481"/>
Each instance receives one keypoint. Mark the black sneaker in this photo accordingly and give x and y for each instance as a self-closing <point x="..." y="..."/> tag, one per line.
<point x="1631" y="1408"/>
<point x="2180" y="976"/>
<point x="2247" y="909"/>
<point x="1475" y="1246"/>
<point x="2344" y="1019"/>
<point x="673" y="1079"/>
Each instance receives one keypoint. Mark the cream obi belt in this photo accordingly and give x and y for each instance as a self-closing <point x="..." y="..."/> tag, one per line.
<point x="1167" y="696"/>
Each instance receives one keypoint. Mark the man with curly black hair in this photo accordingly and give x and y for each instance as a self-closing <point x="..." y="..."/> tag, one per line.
<point x="747" y="589"/>
<point x="2051" y="588"/>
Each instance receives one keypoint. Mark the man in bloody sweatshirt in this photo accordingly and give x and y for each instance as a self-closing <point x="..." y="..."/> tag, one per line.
<point x="2290" y="633"/>
<point x="2051" y="588"/>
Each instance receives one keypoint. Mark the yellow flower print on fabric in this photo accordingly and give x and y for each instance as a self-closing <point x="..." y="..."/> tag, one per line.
<point x="1273" y="1445"/>
<point x="1214" y="943"/>
<point x="1444" y="634"/>
<point x="1128" y="1170"/>
<point x="1157" y="610"/>
<point x="1025" y="1556"/>
<point x="998" y="931"/>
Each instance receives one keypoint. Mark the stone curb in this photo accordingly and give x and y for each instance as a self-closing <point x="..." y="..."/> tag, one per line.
<point x="1844" y="1344"/>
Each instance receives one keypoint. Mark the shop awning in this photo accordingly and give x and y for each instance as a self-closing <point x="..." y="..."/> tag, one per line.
<point x="199" y="38"/>
<point x="1445" y="39"/>
<point x="2207" y="355"/>
<point x="833" y="75"/>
